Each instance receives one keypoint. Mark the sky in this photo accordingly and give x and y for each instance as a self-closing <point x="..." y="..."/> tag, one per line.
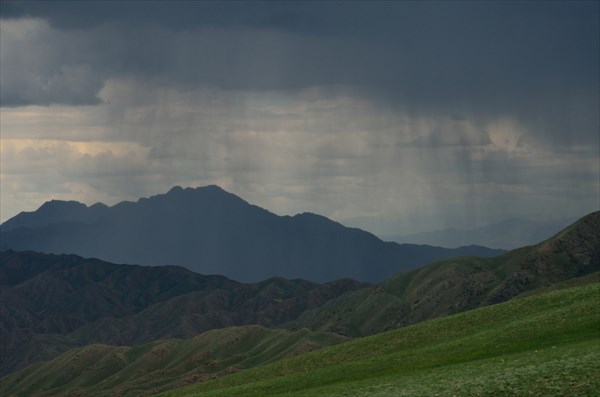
<point x="398" y="117"/>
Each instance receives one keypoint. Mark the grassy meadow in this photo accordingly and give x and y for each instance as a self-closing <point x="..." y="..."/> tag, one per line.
<point x="547" y="344"/>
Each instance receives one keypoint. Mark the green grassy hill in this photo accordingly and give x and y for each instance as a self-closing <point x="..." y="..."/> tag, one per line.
<point x="459" y="284"/>
<point x="570" y="258"/>
<point x="547" y="344"/>
<point x="101" y="370"/>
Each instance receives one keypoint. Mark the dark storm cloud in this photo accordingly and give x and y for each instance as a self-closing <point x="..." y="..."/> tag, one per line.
<point x="422" y="52"/>
<point x="175" y="14"/>
<point x="535" y="61"/>
<point x="447" y="111"/>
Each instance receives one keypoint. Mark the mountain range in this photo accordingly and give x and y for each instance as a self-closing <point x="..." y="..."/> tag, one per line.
<point x="52" y="303"/>
<point x="507" y="234"/>
<point x="544" y="344"/>
<point x="458" y="284"/>
<point x="211" y="231"/>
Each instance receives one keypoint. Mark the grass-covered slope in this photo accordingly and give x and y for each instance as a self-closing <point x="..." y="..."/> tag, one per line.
<point x="460" y="284"/>
<point x="101" y="370"/>
<point x="547" y="344"/>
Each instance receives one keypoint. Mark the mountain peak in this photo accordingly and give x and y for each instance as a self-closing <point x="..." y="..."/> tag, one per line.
<point x="98" y="205"/>
<point x="580" y="240"/>
<point x="61" y="205"/>
<point x="175" y="190"/>
<point x="50" y="212"/>
<point x="213" y="187"/>
<point x="210" y="230"/>
<point x="200" y="189"/>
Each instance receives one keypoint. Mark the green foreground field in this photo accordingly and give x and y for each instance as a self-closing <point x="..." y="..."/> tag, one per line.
<point x="102" y="370"/>
<point x="543" y="345"/>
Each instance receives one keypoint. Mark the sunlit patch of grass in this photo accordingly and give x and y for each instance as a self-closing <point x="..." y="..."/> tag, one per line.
<point x="572" y="370"/>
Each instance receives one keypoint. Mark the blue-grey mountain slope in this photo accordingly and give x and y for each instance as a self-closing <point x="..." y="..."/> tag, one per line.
<point x="211" y="231"/>
<point x="508" y="234"/>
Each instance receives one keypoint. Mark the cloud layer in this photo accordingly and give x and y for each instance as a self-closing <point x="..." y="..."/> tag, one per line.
<point x="396" y="115"/>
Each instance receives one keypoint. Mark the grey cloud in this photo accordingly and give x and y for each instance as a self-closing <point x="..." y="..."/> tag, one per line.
<point x="39" y="65"/>
<point x="537" y="61"/>
<point x="68" y="84"/>
<point x="176" y="14"/>
<point x="313" y="105"/>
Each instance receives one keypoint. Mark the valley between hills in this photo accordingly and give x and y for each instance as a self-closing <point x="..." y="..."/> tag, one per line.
<point x="516" y="322"/>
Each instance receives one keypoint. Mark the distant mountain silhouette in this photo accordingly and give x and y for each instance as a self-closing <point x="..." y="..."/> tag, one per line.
<point x="56" y="211"/>
<point x="211" y="231"/>
<point x="507" y="234"/>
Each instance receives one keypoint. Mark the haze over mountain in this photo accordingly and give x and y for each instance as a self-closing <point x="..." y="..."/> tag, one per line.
<point x="458" y="284"/>
<point x="508" y="234"/>
<point x="211" y="231"/>
<point x="436" y="114"/>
